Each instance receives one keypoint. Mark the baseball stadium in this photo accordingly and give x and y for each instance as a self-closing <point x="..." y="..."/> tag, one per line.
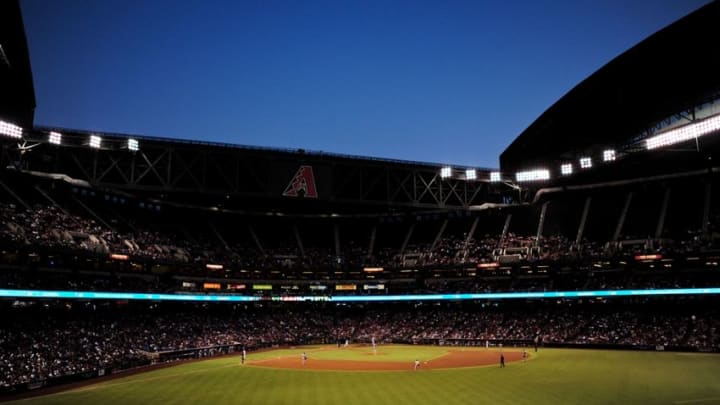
<point x="585" y="269"/>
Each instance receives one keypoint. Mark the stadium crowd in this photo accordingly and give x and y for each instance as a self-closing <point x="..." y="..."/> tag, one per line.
<point x="77" y="340"/>
<point x="86" y="339"/>
<point x="51" y="227"/>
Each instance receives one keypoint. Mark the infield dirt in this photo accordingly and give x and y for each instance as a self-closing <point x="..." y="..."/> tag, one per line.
<point x="452" y="359"/>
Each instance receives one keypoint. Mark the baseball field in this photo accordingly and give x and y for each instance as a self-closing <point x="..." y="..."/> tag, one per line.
<point x="359" y="375"/>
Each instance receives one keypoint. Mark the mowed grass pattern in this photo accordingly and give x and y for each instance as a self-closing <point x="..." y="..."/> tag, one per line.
<point x="553" y="376"/>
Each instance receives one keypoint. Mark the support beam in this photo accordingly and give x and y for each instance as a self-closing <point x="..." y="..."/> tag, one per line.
<point x="471" y="233"/>
<point x="92" y="213"/>
<point x="583" y="221"/>
<point x="541" y="222"/>
<point x="623" y="215"/>
<point x="218" y="236"/>
<point x="469" y="237"/>
<point x="663" y="213"/>
<point x="371" y="245"/>
<point x="505" y="230"/>
<point x="439" y="235"/>
<point x="185" y="233"/>
<point x="15" y="196"/>
<point x="47" y="197"/>
<point x="336" y="238"/>
<point x="123" y="219"/>
<point x="255" y="239"/>
<point x="706" y="209"/>
<point x="408" y="235"/>
<point x="298" y="238"/>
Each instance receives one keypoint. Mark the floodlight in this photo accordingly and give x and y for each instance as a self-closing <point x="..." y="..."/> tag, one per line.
<point x="585" y="163"/>
<point x="445" y="172"/>
<point x="684" y="133"/>
<point x="470" y="174"/>
<point x="133" y="145"/>
<point x="495" y="177"/>
<point x="10" y="130"/>
<point x="55" y="138"/>
<point x="532" y="175"/>
<point x="608" y="155"/>
<point x="566" y="169"/>
<point x="95" y="141"/>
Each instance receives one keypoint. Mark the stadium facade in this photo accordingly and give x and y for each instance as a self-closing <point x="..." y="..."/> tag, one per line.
<point x="591" y="147"/>
<point x="589" y="176"/>
<point x="609" y="197"/>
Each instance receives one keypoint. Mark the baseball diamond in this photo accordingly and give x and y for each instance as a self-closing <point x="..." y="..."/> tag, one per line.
<point x="551" y="376"/>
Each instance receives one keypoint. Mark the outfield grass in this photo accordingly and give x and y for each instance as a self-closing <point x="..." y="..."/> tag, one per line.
<point x="554" y="376"/>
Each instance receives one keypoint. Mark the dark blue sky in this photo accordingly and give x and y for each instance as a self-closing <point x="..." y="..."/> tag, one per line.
<point x="439" y="81"/>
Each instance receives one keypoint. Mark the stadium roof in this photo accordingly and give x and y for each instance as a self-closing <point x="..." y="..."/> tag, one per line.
<point x="17" y="101"/>
<point x="668" y="73"/>
<point x="223" y="175"/>
<point x="251" y="148"/>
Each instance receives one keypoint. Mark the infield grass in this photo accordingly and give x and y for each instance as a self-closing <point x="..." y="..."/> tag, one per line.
<point x="400" y="353"/>
<point x="553" y="376"/>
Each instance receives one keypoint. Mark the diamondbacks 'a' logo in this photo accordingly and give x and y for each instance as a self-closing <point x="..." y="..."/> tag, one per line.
<point x="302" y="184"/>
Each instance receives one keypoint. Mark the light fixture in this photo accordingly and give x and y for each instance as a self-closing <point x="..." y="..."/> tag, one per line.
<point x="133" y="145"/>
<point x="608" y="155"/>
<point x="95" y="141"/>
<point x="10" y="130"/>
<point x="532" y="175"/>
<point x="684" y="133"/>
<point x="566" y="169"/>
<point x="585" y="163"/>
<point x="445" y="172"/>
<point x="55" y="138"/>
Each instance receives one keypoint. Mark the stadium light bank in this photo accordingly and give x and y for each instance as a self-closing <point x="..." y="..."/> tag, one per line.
<point x="684" y="133"/>
<point x="11" y="130"/>
<point x="8" y="129"/>
<point x="532" y="175"/>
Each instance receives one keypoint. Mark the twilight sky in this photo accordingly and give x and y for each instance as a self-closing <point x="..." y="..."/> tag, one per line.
<point x="437" y="81"/>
